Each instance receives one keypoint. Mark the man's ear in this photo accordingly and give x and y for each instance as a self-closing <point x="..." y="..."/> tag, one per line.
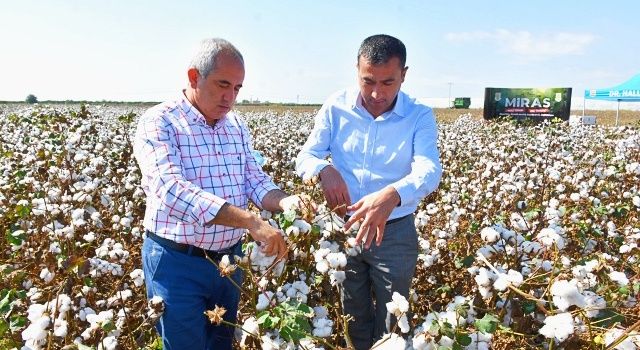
<point x="193" y="75"/>
<point x="404" y="72"/>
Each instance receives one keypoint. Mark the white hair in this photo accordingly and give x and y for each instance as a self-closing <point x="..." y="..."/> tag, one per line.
<point x="205" y="57"/>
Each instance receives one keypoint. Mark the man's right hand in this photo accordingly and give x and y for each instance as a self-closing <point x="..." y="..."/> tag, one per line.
<point x="335" y="190"/>
<point x="270" y="238"/>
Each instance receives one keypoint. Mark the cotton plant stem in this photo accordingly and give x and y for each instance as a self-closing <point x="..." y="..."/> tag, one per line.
<point x="624" y="335"/>
<point x="228" y="277"/>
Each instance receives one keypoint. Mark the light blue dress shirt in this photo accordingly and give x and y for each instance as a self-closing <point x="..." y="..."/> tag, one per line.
<point x="398" y="148"/>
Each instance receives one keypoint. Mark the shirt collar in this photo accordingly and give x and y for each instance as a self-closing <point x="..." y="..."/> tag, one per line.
<point x="356" y="102"/>
<point x="193" y="113"/>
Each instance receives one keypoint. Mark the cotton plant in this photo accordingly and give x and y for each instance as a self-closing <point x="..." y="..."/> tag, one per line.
<point x="75" y="174"/>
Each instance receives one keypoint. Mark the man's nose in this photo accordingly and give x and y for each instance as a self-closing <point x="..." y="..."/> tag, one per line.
<point x="227" y="96"/>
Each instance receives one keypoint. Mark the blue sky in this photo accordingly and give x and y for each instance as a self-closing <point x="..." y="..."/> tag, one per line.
<point x="302" y="51"/>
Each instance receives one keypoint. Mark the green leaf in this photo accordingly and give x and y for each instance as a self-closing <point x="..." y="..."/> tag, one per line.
<point x="608" y="318"/>
<point x="5" y="302"/>
<point x="263" y="318"/>
<point x="468" y="261"/>
<point x="108" y="326"/>
<point x="434" y="328"/>
<point x="4" y="327"/>
<point x="290" y="215"/>
<point x="487" y="324"/>
<point x="462" y="309"/>
<point x="306" y="310"/>
<point x="463" y="339"/>
<point x="17" y="322"/>
<point x="23" y="210"/>
<point x="528" y="307"/>
<point x="447" y="329"/>
<point x="83" y="347"/>
<point x="87" y="282"/>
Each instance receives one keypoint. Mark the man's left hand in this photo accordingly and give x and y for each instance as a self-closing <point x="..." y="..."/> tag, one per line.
<point x="374" y="210"/>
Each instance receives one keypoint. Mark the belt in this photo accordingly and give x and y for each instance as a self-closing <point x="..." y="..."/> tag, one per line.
<point x="388" y="221"/>
<point x="190" y="249"/>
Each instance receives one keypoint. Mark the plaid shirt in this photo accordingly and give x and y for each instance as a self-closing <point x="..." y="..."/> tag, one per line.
<point x="190" y="169"/>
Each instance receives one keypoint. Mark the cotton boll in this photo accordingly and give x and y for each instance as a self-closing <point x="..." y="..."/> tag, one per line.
<point x="264" y="300"/>
<point x="60" y="328"/>
<point x="320" y="254"/>
<point x="302" y="225"/>
<point x="403" y="323"/>
<point x="337" y="277"/>
<point x="390" y="342"/>
<point x="249" y="327"/>
<point x="518" y="222"/>
<point x="36" y="332"/>
<point x="502" y="282"/>
<point x="322" y="326"/>
<point x="46" y="275"/>
<point x="594" y="303"/>
<point x="322" y="266"/>
<point x="336" y="260"/>
<point x="423" y="341"/>
<point x="619" y="277"/>
<point x="489" y="234"/>
<point x="320" y="311"/>
<point x="137" y="276"/>
<point x="566" y="294"/>
<point x="558" y="326"/>
<point x="484" y="277"/>
<point x="548" y="237"/>
<point x="514" y="277"/>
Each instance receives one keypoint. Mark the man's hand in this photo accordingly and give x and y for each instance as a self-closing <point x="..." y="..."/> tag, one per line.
<point x="335" y="190"/>
<point x="374" y="210"/>
<point x="271" y="241"/>
<point x="269" y="237"/>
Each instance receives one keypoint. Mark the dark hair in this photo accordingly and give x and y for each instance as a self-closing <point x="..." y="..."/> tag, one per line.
<point x="380" y="48"/>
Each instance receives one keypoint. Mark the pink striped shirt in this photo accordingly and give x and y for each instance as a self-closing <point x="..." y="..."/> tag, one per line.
<point x="190" y="169"/>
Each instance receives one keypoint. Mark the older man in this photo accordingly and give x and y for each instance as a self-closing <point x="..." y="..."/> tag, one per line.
<point x="198" y="173"/>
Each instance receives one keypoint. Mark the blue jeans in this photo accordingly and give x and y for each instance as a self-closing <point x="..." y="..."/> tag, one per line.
<point x="375" y="274"/>
<point x="189" y="285"/>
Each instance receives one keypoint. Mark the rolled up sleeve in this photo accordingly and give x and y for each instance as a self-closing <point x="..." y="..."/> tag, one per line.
<point x="312" y="157"/>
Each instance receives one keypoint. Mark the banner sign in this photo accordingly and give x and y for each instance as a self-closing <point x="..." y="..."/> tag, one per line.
<point x="534" y="104"/>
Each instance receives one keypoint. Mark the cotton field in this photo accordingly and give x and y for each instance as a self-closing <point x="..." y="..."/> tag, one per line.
<point x="530" y="242"/>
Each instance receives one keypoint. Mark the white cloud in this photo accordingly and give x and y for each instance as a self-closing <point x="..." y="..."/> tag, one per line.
<point x="526" y="44"/>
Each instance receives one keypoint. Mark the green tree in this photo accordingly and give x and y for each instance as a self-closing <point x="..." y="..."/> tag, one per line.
<point x="31" y="99"/>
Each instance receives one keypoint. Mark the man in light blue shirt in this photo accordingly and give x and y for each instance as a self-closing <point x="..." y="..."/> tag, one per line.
<point x="384" y="161"/>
